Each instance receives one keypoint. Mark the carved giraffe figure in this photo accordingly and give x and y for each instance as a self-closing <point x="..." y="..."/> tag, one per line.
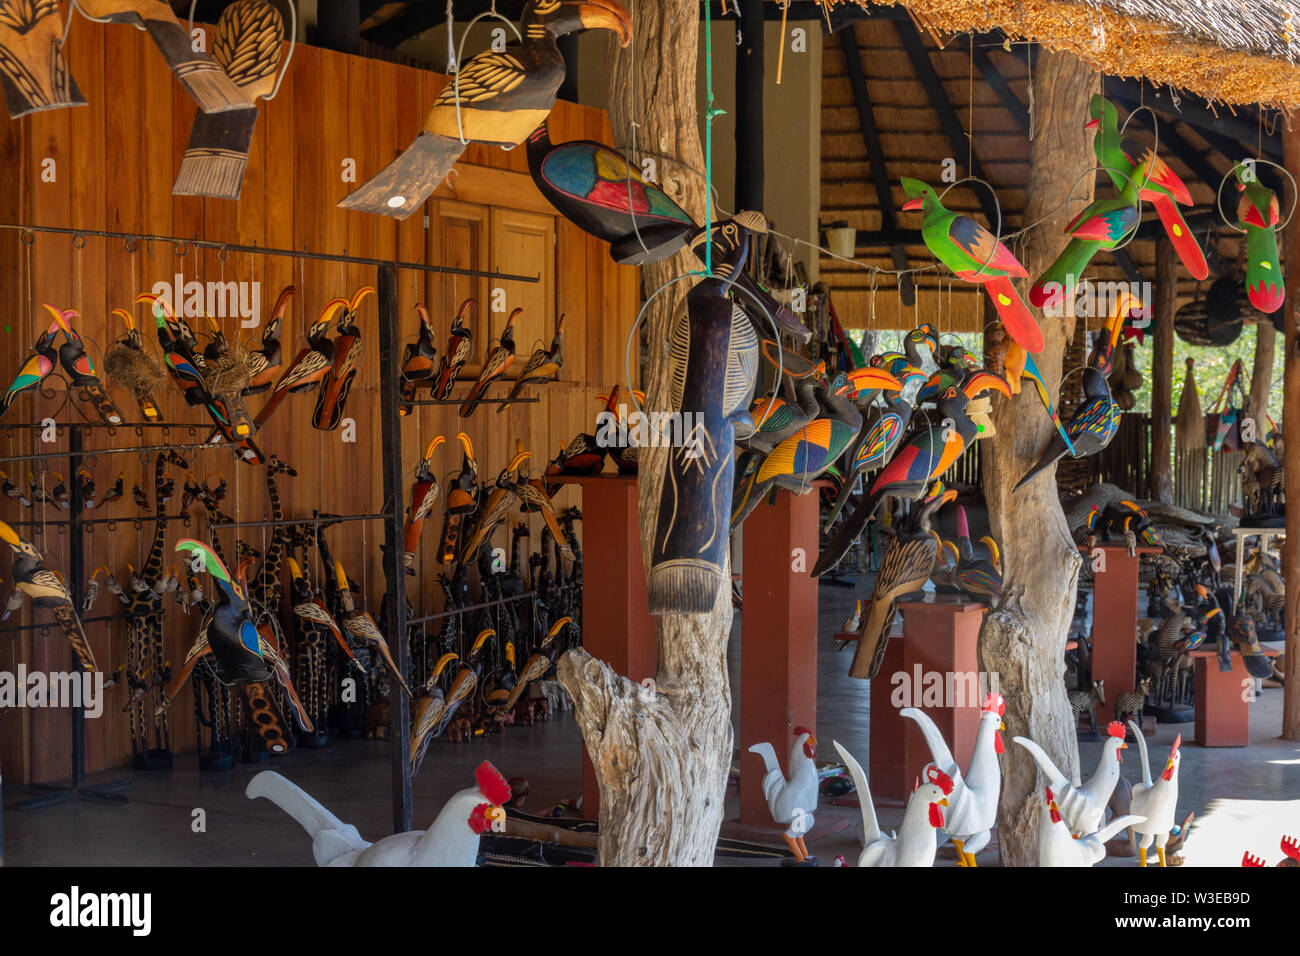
<point x="268" y="585"/>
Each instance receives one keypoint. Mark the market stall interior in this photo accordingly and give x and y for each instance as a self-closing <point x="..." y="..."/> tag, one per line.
<point x="502" y="426"/>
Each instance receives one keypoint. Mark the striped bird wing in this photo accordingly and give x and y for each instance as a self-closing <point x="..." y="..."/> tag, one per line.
<point x="312" y="364"/>
<point x="487" y="75"/>
<point x="983" y="247"/>
<point x="679" y="357"/>
<point x="742" y="362"/>
<point x="37" y="367"/>
<point x="978" y="580"/>
<point x="774" y="413"/>
<point x="1098" y="417"/>
<point x="805" y="450"/>
<point x="905" y="567"/>
<point x="883" y="435"/>
<point x="915" y="462"/>
<point x="1161" y="174"/>
<point x="1105" y="222"/>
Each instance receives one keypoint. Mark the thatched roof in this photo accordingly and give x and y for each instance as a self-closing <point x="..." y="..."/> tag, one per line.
<point x="1234" y="51"/>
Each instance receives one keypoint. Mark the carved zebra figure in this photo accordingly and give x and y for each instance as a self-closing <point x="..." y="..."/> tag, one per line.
<point x="1262" y="479"/>
<point x="1129" y="706"/>
<point x="1087" y="700"/>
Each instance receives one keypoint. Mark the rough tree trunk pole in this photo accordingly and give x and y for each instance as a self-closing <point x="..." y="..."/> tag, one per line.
<point x="1023" y="638"/>
<point x="661" y="760"/>
<point x="1162" y="370"/>
<point x="1261" y="373"/>
<point x="1291" y="459"/>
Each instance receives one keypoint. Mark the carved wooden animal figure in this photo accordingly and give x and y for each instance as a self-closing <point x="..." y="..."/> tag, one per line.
<point x="1129" y="706"/>
<point x="1087" y="700"/>
<point x="33" y="70"/>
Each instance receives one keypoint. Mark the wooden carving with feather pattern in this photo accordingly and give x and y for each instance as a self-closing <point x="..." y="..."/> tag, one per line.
<point x="247" y="47"/>
<point x="32" y="67"/>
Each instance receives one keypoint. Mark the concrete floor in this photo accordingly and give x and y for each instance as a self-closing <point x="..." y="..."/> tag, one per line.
<point x="1243" y="798"/>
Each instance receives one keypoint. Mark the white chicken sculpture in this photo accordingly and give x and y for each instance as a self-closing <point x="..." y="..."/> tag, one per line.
<point x="1057" y="846"/>
<point x="1083" y="807"/>
<point x="974" y="802"/>
<point x="1156" y="801"/>
<point x="792" y="801"/>
<point x="451" y="841"/>
<point x="917" y="839"/>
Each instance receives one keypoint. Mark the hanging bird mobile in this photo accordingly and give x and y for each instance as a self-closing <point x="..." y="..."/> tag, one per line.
<point x="432" y="713"/>
<point x="975" y="255"/>
<point x="688" y="551"/>
<point x="542" y="366"/>
<point x="47" y="589"/>
<point x="462" y="501"/>
<point x="1257" y="215"/>
<point x="82" y="374"/>
<point x="246" y="47"/>
<point x="309" y="366"/>
<point x="460" y="346"/>
<point x="1126" y="159"/>
<point x="496" y="98"/>
<point x="337" y="383"/>
<point x="128" y="364"/>
<point x="419" y="360"/>
<point x="495" y="365"/>
<point x="925" y="457"/>
<point x="424" y="495"/>
<point x="38" y="366"/>
<point x="594" y="188"/>
<point x="264" y="363"/>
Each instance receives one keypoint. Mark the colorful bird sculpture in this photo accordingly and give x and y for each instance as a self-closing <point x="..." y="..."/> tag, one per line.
<point x="231" y="634"/>
<point x="979" y="569"/>
<point x="419" y="361"/>
<point x="310" y="608"/>
<point x="47" y="590"/>
<point x="1103" y="224"/>
<point x="128" y="364"/>
<point x="462" y="502"/>
<point x="38" y="366"/>
<point x="82" y="373"/>
<point x="496" y="97"/>
<point x="542" y="366"/>
<point x="337" y="383"/>
<point x="1125" y="158"/>
<point x="362" y="626"/>
<point x="432" y="713"/>
<point x="1019" y="365"/>
<point x="310" y="366"/>
<point x="500" y="503"/>
<point x="498" y="361"/>
<point x="424" y="495"/>
<point x="460" y="346"/>
<point x="975" y="255"/>
<point x="906" y="566"/>
<point x="264" y="363"/>
<point x="1258" y="214"/>
<point x="594" y="187"/>
<point x="925" y="457"/>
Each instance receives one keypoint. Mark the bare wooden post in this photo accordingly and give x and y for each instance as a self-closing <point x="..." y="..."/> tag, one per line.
<point x="1261" y="373"/>
<point x="1162" y="370"/>
<point x="1291" y="459"/>
<point x="1023" y="638"/>
<point x="661" y="757"/>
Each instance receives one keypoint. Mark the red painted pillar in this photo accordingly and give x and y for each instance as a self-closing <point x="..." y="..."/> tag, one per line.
<point x="887" y="769"/>
<point x="616" y="624"/>
<point x="1223" y="700"/>
<point x="1114" y="616"/>
<point x="778" y="658"/>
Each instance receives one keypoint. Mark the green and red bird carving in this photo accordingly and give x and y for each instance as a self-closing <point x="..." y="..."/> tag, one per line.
<point x="1125" y="158"/>
<point x="975" y="255"/>
<point x="1257" y="214"/>
<point x="38" y="366"/>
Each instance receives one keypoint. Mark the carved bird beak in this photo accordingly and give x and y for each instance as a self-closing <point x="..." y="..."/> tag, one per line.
<point x="1092" y="123"/>
<point x="9" y="535"/>
<point x="605" y="15"/>
<point x="863" y="379"/>
<point x="913" y="204"/>
<point x="981" y="381"/>
<point x="943" y="802"/>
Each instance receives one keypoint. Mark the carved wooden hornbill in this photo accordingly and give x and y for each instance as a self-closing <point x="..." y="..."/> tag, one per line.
<point x="502" y="97"/>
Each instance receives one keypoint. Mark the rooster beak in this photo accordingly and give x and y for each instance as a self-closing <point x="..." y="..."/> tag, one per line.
<point x="1002" y="725"/>
<point x="943" y="802"/>
<point x="812" y="741"/>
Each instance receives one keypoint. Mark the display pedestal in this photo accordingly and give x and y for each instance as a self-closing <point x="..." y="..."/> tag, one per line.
<point x="887" y="768"/>
<point x="1114" y="617"/>
<point x="1222" y="701"/>
<point x="616" y="624"/>
<point x="778" y="656"/>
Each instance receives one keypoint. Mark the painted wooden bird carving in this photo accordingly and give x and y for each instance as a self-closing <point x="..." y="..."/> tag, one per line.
<point x="362" y="626"/>
<point x="337" y="383"/>
<point x="310" y="607"/>
<point x="906" y="566"/>
<point x="594" y="188"/>
<point x="1125" y="158"/>
<point x="231" y="634"/>
<point x="1258" y="214"/>
<point x="925" y="457"/>
<point x="500" y="504"/>
<point x="460" y="346"/>
<point x="264" y="363"/>
<point x="1103" y="224"/>
<point x="47" y="590"/>
<point x="496" y="98"/>
<point x="432" y="712"/>
<point x="419" y="361"/>
<point x="310" y="366"/>
<point x="424" y="495"/>
<point x="462" y="502"/>
<point x="495" y="365"/>
<point x="33" y="69"/>
<point x="542" y="366"/>
<point x="533" y="499"/>
<point x="129" y="365"/>
<point x="38" y="366"/>
<point x="975" y="255"/>
<point x="979" y="568"/>
<point x="83" y="374"/>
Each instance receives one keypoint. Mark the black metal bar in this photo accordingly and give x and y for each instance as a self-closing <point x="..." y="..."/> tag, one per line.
<point x="76" y="587"/>
<point x="395" y="572"/>
<point x="84" y="621"/>
<point x="481" y="401"/>
<point x="140" y="449"/>
<point x="452" y="612"/>
<point x="215" y="525"/>
<point x="749" y="106"/>
<point x="948" y="120"/>
<point x="267" y="251"/>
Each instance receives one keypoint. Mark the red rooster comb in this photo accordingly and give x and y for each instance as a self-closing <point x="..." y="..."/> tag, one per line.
<point x="994" y="703"/>
<point x="936" y="776"/>
<point x="1116" y="729"/>
<point x="802" y="730"/>
<point x="1291" y="848"/>
<point x="1050" y="796"/>
<point x="1248" y="860"/>
<point x="491" y="784"/>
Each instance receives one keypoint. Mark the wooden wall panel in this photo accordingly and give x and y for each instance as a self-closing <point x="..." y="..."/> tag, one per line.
<point x="116" y="160"/>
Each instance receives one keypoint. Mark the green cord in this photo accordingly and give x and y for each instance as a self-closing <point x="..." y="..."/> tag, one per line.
<point x="710" y="114"/>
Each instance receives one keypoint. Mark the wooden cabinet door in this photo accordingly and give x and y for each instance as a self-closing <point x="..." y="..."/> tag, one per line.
<point x="458" y="236"/>
<point x="523" y="243"/>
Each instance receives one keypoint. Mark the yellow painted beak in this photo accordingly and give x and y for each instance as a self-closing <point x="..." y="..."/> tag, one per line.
<point x="9" y="535"/>
<point x="943" y="802"/>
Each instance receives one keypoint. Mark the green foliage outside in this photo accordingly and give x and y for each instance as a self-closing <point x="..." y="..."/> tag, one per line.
<point x="1211" y="370"/>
